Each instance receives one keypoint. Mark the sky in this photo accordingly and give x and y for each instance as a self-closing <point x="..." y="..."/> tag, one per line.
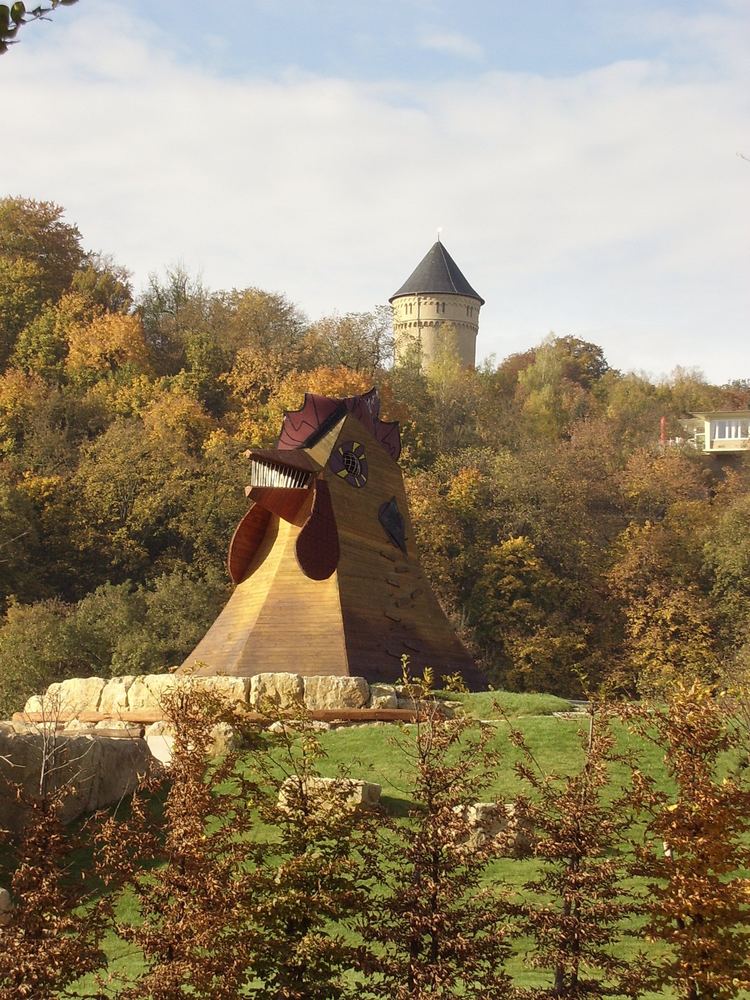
<point x="584" y="159"/>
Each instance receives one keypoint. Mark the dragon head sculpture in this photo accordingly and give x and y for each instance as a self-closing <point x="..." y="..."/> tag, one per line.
<point x="327" y="573"/>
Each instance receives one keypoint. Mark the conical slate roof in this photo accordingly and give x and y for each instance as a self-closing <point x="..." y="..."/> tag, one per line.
<point x="437" y="273"/>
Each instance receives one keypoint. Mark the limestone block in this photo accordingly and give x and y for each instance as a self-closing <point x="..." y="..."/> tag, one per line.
<point x="77" y="694"/>
<point x="116" y="729"/>
<point x="383" y="696"/>
<point x="6" y="908"/>
<point x="500" y="821"/>
<point x="75" y="726"/>
<point x="282" y="727"/>
<point x="229" y="689"/>
<point x="336" y="692"/>
<point x="140" y="696"/>
<point x="114" y="697"/>
<point x="34" y="704"/>
<point x="95" y="773"/>
<point x="148" y="691"/>
<point x="159" y="739"/>
<point x="332" y="793"/>
<point x="281" y="689"/>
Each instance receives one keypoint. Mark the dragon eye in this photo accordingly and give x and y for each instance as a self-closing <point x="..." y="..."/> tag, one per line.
<point x="349" y="462"/>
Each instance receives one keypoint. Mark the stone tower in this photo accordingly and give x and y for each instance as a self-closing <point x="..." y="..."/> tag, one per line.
<point x="436" y="303"/>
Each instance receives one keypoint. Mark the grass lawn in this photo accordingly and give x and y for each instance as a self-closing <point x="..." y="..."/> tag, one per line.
<point x="372" y="753"/>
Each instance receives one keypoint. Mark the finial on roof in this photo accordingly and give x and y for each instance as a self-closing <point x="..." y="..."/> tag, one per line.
<point x="439" y="231"/>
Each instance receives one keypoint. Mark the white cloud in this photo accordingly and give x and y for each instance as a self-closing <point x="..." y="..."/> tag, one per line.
<point x="451" y="43"/>
<point x="610" y="204"/>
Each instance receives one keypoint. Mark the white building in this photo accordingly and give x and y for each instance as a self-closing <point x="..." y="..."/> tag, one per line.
<point x="719" y="431"/>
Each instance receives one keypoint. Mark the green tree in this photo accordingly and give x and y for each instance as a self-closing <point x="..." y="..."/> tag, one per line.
<point x="317" y="879"/>
<point x="33" y="651"/>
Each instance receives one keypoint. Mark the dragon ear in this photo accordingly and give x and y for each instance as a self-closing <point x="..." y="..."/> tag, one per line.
<point x="318" y="541"/>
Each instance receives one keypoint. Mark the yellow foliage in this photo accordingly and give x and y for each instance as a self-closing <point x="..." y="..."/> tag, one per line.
<point x="110" y="341"/>
<point x="176" y="419"/>
<point x="465" y="490"/>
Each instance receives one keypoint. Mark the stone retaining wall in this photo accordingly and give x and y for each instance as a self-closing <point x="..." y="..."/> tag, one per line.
<point x="117" y="695"/>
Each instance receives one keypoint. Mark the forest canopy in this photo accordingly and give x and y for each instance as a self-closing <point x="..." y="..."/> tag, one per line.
<point x="569" y="547"/>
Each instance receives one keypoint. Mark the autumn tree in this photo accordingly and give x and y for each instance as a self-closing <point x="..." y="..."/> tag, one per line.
<point x="695" y="853"/>
<point x="20" y="300"/>
<point x="669" y="628"/>
<point x="361" y="341"/>
<point x="189" y="878"/>
<point x="36" y="232"/>
<point x="436" y="932"/>
<point x="107" y="344"/>
<point x="56" y="927"/>
<point x="518" y="612"/>
<point x="574" y="907"/>
<point x="317" y="878"/>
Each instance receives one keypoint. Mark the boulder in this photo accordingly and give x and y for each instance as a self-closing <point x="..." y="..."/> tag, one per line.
<point x="407" y="704"/>
<point x="451" y="709"/>
<point x="116" y="769"/>
<point x="159" y="739"/>
<point x="23" y="728"/>
<point x="116" y="729"/>
<point x="282" y="727"/>
<point x="383" y="696"/>
<point x="94" y="772"/>
<point x="6" y="908"/>
<point x="225" y="738"/>
<point x="330" y="793"/>
<point x="34" y="704"/>
<point x="147" y="690"/>
<point x="280" y="690"/>
<point x="229" y="689"/>
<point x="114" y="697"/>
<point x="500" y="821"/>
<point x="75" y="726"/>
<point x="77" y="694"/>
<point x="336" y="692"/>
